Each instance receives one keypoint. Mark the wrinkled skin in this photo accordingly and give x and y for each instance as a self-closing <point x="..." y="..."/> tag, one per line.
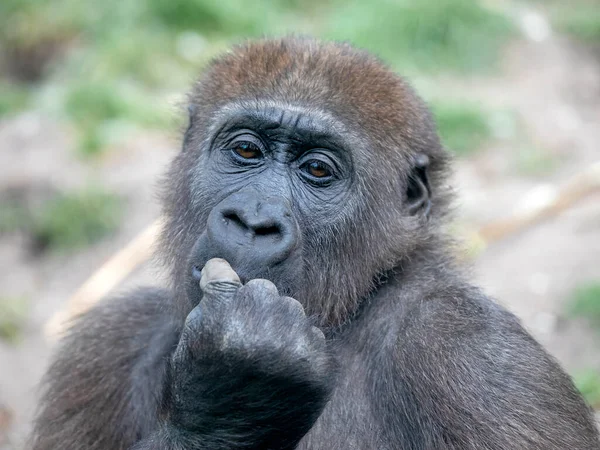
<point x="314" y="302"/>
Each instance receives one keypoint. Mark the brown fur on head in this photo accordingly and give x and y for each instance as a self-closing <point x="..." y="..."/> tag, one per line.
<point x="390" y="128"/>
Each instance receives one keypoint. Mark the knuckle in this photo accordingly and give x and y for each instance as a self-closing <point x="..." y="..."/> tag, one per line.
<point x="317" y="334"/>
<point x="195" y="315"/>
<point x="294" y="306"/>
<point x="263" y="286"/>
<point x="193" y="320"/>
<point x="220" y="288"/>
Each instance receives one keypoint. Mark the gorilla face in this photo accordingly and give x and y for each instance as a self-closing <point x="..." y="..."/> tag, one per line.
<point x="272" y="178"/>
<point x="319" y="187"/>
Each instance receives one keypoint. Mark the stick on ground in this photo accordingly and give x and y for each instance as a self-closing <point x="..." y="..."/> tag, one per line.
<point x="105" y="279"/>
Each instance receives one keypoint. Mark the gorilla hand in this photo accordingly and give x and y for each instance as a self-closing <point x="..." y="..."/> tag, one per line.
<point x="249" y="363"/>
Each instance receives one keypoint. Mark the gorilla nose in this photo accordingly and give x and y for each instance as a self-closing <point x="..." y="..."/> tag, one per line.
<point x="248" y="229"/>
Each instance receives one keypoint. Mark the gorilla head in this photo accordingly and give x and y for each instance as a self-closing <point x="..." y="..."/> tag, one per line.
<point x="317" y="168"/>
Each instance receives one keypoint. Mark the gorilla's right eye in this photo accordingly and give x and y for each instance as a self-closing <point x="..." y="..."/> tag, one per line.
<point x="246" y="150"/>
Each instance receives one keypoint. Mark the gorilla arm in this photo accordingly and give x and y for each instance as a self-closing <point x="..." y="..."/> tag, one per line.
<point x="467" y="376"/>
<point x="250" y="371"/>
<point x="246" y="370"/>
<point x="105" y="385"/>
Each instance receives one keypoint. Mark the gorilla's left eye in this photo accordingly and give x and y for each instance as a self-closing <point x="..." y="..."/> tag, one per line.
<point x="317" y="169"/>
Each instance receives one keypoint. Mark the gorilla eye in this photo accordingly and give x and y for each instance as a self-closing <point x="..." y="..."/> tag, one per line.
<point x="317" y="169"/>
<point x="247" y="150"/>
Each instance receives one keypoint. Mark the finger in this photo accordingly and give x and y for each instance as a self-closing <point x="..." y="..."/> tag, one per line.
<point x="265" y="286"/>
<point x="295" y="306"/>
<point x="317" y="334"/>
<point x="190" y="329"/>
<point x="218" y="278"/>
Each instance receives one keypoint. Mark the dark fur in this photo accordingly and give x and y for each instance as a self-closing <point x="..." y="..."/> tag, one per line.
<point x="425" y="360"/>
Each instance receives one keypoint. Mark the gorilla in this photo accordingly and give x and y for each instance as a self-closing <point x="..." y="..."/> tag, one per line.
<point x="313" y="302"/>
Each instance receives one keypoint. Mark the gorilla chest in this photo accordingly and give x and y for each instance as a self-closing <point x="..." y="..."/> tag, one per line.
<point x="346" y="423"/>
<point x="349" y="420"/>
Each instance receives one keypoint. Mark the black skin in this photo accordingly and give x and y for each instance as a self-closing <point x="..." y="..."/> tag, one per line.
<point x="366" y="334"/>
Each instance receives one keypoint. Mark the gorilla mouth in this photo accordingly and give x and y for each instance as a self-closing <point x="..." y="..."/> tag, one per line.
<point x="244" y="277"/>
<point x="196" y="272"/>
<point x="275" y="274"/>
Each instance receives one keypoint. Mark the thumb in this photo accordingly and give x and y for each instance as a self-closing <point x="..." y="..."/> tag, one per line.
<point x="218" y="279"/>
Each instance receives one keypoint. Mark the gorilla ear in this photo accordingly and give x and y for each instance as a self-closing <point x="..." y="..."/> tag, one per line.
<point x="186" y="136"/>
<point x="418" y="191"/>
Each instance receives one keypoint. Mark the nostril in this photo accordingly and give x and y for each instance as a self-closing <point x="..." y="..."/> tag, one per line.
<point x="267" y="231"/>
<point x="259" y="227"/>
<point x="233" y="218"/>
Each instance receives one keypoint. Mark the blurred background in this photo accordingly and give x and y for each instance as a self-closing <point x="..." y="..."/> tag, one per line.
<point x="91" y="95"/>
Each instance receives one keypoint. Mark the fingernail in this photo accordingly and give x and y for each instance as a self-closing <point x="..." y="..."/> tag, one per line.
<point x="218" y="271"/>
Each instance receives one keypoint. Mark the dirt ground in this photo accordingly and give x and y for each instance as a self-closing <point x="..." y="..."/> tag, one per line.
<point x="552" y="84"/>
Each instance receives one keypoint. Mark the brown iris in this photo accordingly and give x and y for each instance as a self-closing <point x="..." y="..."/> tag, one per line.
<point x="318" y="169"/>
<point x="247" y="150"/>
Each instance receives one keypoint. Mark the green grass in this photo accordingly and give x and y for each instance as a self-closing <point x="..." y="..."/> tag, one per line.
<point x="578" y="18"/>
<point x="532" y="160"/>
<point x="76" y="219"/>
<point x="588" y="383"/>
<point x="34" y="32"/>
<point x="65" y="220"/>
<point x="119" y="39"/>
<point x="95" y="102"/>
<point x="94" y="105"/>
<point x="582" y="23"/>
<point x="234" y="18"/>
<point x="13" y="98"/>
<point x="427" y="35"/>
<point x="462" y="128"/>
<point x="230" y="16"/>
<point x="116" y="61"/>
<point x="13" y="315"/>
<point x="13" y="217"/>
<point x="585" y="303"/>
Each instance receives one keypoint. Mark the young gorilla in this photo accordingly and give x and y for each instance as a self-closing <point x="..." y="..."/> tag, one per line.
<point x="313" y="166"/>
